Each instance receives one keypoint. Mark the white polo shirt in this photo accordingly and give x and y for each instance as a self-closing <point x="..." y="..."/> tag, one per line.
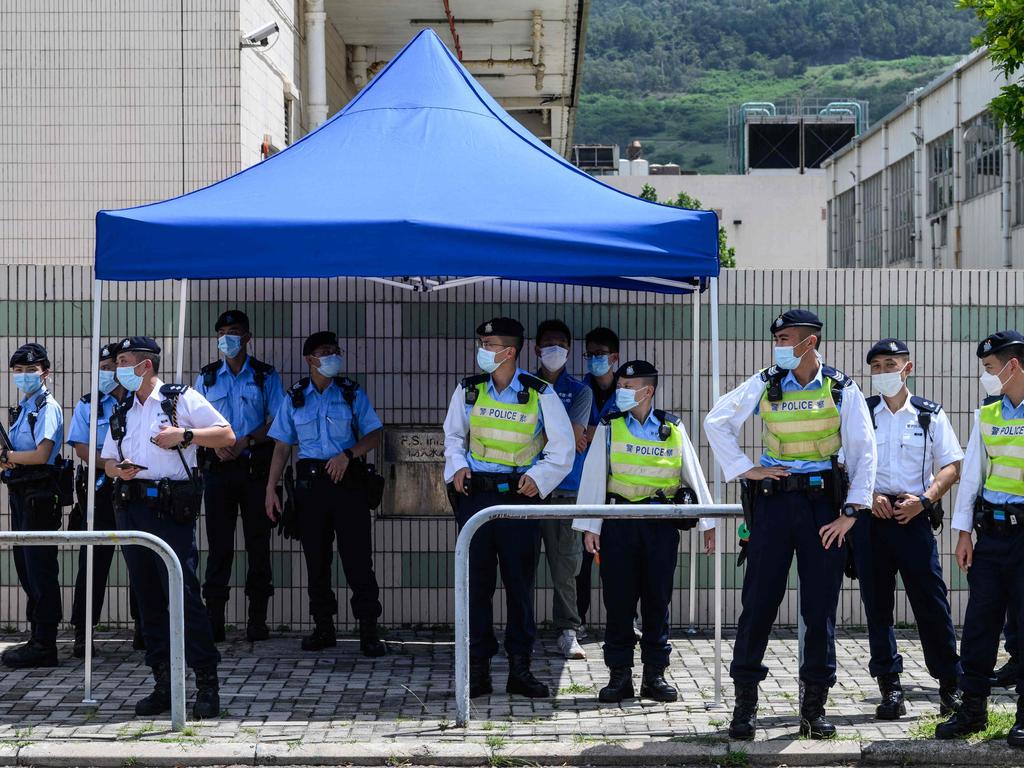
<point x="144" y="421"/>
<point x="907" y="457"/>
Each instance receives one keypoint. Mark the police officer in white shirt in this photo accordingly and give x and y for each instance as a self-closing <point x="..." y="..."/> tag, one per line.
<point x="151" y="454"/>
<point x="918" y="462"/>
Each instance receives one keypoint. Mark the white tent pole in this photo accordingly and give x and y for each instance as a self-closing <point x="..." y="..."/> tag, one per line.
<point x="695" y="439"/>
<point x="717" y="493"/>
<point x="90" y="503"/>
<point x="179" y="350"/>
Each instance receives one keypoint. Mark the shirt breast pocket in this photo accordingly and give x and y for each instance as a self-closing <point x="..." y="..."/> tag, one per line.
<point x="307" y="428"/>
<point x="339" y="423"/>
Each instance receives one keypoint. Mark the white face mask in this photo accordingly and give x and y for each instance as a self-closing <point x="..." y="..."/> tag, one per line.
<point x="991" y="382"/>
<point x="888" y="384"/>
<point x="553" y="358"/>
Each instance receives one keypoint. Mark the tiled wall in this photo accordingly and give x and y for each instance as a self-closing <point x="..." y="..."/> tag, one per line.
<point x="409" y="349"/>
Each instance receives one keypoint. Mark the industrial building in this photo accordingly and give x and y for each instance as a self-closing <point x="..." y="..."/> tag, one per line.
<point x="109" y="105"/>
<point x="934" y="184"/>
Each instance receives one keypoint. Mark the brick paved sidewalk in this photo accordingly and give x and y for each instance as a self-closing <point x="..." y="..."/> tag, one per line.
<point x="273" y="692"/>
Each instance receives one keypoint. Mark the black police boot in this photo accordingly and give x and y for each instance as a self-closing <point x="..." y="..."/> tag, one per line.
<point x="744" y="712"/>
<point x="35" y="653"/>
<point x="207" y="704"/>
<point x="159" y="701"/>
<point x="812" y="714"/>
<point x="1015" y="738"/>
<point x="480" y="678"/>
<point x="322" y="636"/>
<point x="620" y="686"/>
<point x="970" y="718"/>
<point x="369" y="639"/>
<point x="521" y="679"/>
<point x="892" y="705"/>
<point x="654" y="686"/>
<point x="949" y="696"/>
<point x="215" y="610"/>
<point x="138" y="639"/>
<point x="1006" y="675"/>
<point x="256" y="628"/>
<point x="78" y="649"/>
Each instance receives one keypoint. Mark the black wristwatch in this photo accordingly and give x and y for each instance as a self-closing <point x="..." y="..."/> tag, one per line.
<point x="348" y="452"/>
<point x="186" y="439"/>
<point x="927" y="504"/>
<point x="849" y="510"/>
<point x="3" y="455"/>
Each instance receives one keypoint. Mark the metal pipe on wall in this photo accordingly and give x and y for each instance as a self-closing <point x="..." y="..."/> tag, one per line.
<point x="695" y="440"/>
<point x="920" y="183"/>
<point x="958" y="179"/>
<point x="1004" y="173"/>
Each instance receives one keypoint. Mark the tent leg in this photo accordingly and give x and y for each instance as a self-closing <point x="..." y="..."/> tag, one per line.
<point x="90" y="503"/>
<point x="179" y="350"/>
<point x="695" y="439"/>
<point x="717" y="494"/>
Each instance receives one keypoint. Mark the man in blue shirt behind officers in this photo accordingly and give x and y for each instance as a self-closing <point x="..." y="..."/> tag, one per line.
<point x="247" y="392"/>
<point x="799" y="500"/>
<point x="111" y="393"/>
<point x="507" y="440"/>
<point x="32" y="477"/>
<point x="991" y="503"/>
<point x="335" y="426"/>
<point x="562" y="547"/>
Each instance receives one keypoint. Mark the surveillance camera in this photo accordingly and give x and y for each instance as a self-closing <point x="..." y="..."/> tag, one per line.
<point x="259" y="36"/>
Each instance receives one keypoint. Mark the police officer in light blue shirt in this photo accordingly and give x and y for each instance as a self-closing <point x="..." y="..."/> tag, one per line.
<point x="111" y="392"/>
<point x="32" y="477"/>
<point x="247" y="392"/>
<point x="333" y="423"/>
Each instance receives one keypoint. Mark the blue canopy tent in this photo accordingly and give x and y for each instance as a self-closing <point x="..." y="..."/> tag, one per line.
<point x="424" y="182"/>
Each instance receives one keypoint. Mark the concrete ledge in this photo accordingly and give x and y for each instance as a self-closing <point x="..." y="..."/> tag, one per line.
<point x="373" y="754"/>
<point x="933" y="752"/>
<point x="799" y="752"/>
<point x="9" y="754"/>
<point x="616" y="753"/>
<point x="70" y="754"/>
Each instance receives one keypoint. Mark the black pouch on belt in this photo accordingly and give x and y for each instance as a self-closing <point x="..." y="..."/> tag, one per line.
<point x="43" y="504"/>
<point x="181" y="500"/>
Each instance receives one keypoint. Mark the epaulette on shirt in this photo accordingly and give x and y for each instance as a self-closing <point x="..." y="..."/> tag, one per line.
<point x="173" y="390"/>
<point x="469" y="385"/>
<point x="992" y="399"/>
<point x="297" y="392"/>
<point x="607" y="418"/>
<point x="771" y="372"/>
<point x="922" y="404"/>
<point x="531" y="381"/>
<point x="666" y="418"/>
<point x="838" y="377"/>
<point x="171" y="393"/>
<point x="209" y="373"/>
<point x="86" y="398"/>
<point x="348" y="388"/>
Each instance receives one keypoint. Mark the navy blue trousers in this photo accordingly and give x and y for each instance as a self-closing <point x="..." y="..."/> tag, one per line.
<point x="1012" y="632"/>
<point x="230" y="493"/>
<point x="37" y="568"/>
<point x="149" y="579"/>
<point x="996" y="581"/>
<point x="638" y="563"/>
<point x="511" y="546"/>
<point x="784" y="524"/>
<point x="102" y="558"/>
<point x="882" y="549"/>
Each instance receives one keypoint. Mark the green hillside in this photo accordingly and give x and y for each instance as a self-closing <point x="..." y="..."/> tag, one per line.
<point x="667" y="71"/>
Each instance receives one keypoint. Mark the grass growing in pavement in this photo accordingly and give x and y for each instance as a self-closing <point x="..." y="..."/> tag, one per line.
<point x="734" y="758"/>
<point x="1000" y="721"/>
<point x="575" y="688"/>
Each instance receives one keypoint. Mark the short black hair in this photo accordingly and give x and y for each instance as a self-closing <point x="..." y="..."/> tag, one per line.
<point x="152" y="357"/>
<point x="1013" y="352"/>
<point x="809" y="331"/>
<point x="605" y="337"/>
<point x="553" y="326"/>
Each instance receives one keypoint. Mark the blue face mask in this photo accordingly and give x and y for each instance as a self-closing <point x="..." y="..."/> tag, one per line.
<point x="230" y="345"/>
<point x="108" y="382"/>
<point x="786" y="358"/>
<point x="128" y="378"/>
<point x="29" y="383"/>
<point x="599" y="365"/>
<point x="485" y="359"/>
<point x="625" y="399"/>
<point x="330" y="365"/>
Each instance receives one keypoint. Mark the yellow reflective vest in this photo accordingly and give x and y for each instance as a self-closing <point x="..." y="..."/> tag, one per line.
<point x="505" y="433"/>
<point x="637" y="467"/>
<point x="803" y="425"/>
<point x="1004" y="446"/>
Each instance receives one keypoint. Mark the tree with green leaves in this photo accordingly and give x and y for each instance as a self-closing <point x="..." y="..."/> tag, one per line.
<point x="1003" y="33"/>
<point x="726" y="253"/>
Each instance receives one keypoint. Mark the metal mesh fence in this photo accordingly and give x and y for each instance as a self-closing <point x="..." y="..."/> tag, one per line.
<point x="409" y="349"/>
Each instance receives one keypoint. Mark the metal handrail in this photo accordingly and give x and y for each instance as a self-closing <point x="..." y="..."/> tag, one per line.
<point x="176" y="588"/>
<point x="570" y="512"/>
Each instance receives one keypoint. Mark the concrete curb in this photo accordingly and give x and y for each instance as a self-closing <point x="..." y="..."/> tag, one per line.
<point x="96" y="754"/>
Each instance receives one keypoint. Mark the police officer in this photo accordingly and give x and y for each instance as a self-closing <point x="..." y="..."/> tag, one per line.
<point x="913" y="438"/>
<point x="507" y="440"/>
<point x="111" y="393"/>
<point x="562" y="547"/>
<point x="247" y="392"/>
<point x="151" y="454"/>
<point x="602" y="358"/>
<point x="31" y="472"/>
<point x="991" y="502"/>
<point x="641" y="455"/>
<point x="332" y="421"/>
<point x="799" y="502"/>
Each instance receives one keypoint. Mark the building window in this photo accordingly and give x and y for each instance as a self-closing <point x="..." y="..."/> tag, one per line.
<point x="846" y="236"/>
<point x="871" y="192"/>
<point x="982" y="155"/>
<point x="901" y="211"/>
<point x="940" y="173"/>
<point x="1018" y="187"/>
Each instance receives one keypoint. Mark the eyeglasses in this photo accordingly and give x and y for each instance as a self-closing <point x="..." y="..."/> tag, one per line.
<point x="494" y="345"/>
<point x="591" y="355"/>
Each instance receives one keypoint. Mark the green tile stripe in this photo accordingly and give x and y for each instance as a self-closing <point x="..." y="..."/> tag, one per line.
<point x="347" y="319"/>
<point x="899" y="322"/>
<point x="975" y="323"/>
